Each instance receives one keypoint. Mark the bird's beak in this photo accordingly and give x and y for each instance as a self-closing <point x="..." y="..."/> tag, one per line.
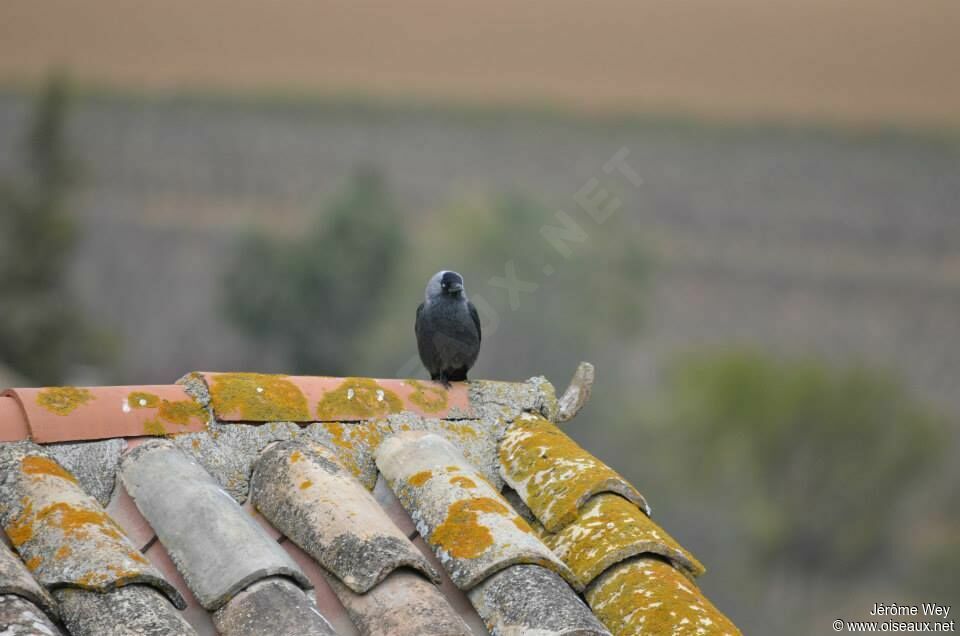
<point x="455" y="288"/>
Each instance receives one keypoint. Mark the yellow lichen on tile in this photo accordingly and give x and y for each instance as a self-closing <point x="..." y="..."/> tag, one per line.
<point x="358" y="399"/>
<point x="306" y="483"/>
<point x="552" y="474"/>
<point x="611" y="529"/>
<point x="178" y="412"/>
<point x="33" y="563"/>
<point x="461" y="534"/>
<point x="63" y="400"/>
<point x="20" y="528"/>
<point x="647" y="596"/>
<point x="419" y="479"/>
<point x="463" y="481"/>
<point x="358" y="440"/>
<point x="154" y="427"/>
<point x="258" y="397"/>
<point x="38" y="465"/>
<point x="74" y="521"/>
<point x="428" y="397"/>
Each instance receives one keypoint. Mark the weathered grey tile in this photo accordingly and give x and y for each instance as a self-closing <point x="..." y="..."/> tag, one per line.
<point x="647" y="595"/>
<point x="354" y="443"/>
<point x="217" y="547"/>
<point x="94" y="464"/>
<point x="403" y="604"/>
<point x="272" y="606"/>
<point x="135" y="610"/>
<point x="476" y="439"/>
<point x="610" y="529"/>
<point x="468" y="524"/>
<point x="20" y="617"/>
<point x="505" y="401"/>
<point x="228" y="451"/>
<point x="553" y="475"/>
<point x="16" y="579"/>
<point x="63" y="535"/>
<point x="528" y="599"/>
<point x="305" y="492"/>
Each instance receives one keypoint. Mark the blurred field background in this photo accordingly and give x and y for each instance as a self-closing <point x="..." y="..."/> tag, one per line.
<point x="773" y="310"/>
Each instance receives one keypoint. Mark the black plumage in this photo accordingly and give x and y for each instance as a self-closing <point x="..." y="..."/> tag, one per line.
<point x="448" y="329"/>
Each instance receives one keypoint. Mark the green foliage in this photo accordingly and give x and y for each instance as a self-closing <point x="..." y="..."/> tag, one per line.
<point x="815" y="460"/>
<point x="41" y="331"/>
<point x="313" y="297"/>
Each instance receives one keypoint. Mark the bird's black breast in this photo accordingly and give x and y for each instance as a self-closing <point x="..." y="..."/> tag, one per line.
<point x="448" y="338"/>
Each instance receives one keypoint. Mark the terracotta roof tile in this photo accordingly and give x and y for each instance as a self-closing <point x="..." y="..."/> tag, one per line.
<point x="646" y="595"/>
<point x="305" y="492"/>
<point x="67" y="413"/>
<point x="469" y="525"/>
<point x="63" y="535"/>
<point x="219" y="549"/>
<point x="610" y="529"/>
<point x="16" y="580"/>
<point x="553" y="475"/>
<point x="384" y="461"/>
<point x="20" y="617"/>
<point x="529" y="599"/>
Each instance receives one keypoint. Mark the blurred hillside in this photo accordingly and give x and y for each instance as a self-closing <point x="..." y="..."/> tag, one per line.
<point x="877" y="61"/>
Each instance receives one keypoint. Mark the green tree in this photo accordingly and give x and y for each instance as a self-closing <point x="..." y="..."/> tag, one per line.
<point x="42" y="333"/>
<point x="314" y="297"/>
<point x="814" y="461"/>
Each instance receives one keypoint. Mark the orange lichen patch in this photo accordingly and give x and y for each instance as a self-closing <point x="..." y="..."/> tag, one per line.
<point x="428" y="397"/>
<point x="143" y="400"/>
<point x="305" y="484"/>
<point x="295" y="456"/>
<point x="75" y="521"/>
<point x="523" y="525"/>
<point x="552" y="474"/>
<point x="258" y="397"/>
<point x="610" y="529"/>
<point x="136" y="556"/>
<point x="463" y="482"/>
<point x="452" y="469"/>
<point x="154" y="427"/>
<point x="38" y="465"/>
<point x="20" y="528"/>
<point x="358" y="440"/>
<point x="196" y="444"/>
<point x="63" y="400"/>
<point x="461" y="533"/>
<point x="419" y="479"/>
<point x="358" y="399"/>
<point x="459" y="429"/>
<point x="63" y="552"/>
<point x="34" y="563"/>
<point x="179" y="412"/>
<point x="647" y="596"/>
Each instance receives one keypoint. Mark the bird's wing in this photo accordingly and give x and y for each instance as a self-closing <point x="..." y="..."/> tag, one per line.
<point x="416" y="324"/>
<point x="476" y="320"/>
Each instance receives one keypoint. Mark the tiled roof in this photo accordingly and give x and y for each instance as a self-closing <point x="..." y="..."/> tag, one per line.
<point x="243" y="504"/>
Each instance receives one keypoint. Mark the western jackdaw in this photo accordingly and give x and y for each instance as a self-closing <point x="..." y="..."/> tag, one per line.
<point x="448" y="329"/>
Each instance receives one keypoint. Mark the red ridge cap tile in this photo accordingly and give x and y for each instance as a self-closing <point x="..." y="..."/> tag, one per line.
<point x="13" y="421"/>
<point x="260" y="397"/>
<point x="61" y="414"/>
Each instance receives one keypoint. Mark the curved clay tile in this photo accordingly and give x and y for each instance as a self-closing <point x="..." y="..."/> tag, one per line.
<point x="16" y="579"/>
<point x="68" y="413"/>
<point x="646" y="595"/>
<point x="610" y="529"/>
<point x="468" y="524"/>
<point x="553" y="475"/>
<point x="260" y="397"/>
<point x="63" y="535"/>
<point x="13" y="421"/>
<point x="218" y="548"/>
<point x="304" y="490"/>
